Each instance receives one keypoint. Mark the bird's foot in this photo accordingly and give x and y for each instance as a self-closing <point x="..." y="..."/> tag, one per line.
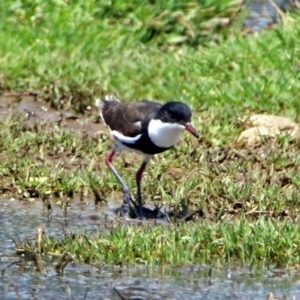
<point x="140" y="212"/>
<point x="125" y="208"/>
<point x="137" y="211"/>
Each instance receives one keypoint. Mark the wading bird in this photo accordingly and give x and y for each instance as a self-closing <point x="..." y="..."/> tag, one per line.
<point x="145" y="127"/>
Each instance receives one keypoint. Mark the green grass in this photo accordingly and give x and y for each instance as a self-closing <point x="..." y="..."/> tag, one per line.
<point x="263" y="243"/>
<point x="72" y="52"/>
<point x="83" y="48"/>
<point x="248" y="205"/>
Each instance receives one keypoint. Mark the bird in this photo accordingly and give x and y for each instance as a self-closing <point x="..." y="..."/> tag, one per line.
<point x="145" y="127"/>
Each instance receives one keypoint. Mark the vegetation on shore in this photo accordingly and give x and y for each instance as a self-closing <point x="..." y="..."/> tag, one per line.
<point x="68" y="53"/>
<point x="264" y="243"/>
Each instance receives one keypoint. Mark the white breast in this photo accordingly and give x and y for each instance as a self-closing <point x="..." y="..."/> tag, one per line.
<point x="163" y="134"/>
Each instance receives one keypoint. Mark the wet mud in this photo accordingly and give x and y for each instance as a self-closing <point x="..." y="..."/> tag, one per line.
<point x="30" y="107"/>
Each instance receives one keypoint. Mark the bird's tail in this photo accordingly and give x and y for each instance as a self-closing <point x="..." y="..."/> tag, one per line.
<point x="102" y="104"/>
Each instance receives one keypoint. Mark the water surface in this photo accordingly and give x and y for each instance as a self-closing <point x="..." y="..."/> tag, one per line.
<point x="19" y="219"/>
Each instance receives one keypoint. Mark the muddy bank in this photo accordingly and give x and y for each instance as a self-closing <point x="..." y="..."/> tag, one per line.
<point x="30" y="107"/>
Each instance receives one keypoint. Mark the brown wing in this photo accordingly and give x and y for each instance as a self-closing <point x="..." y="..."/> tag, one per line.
<point x="128" y="118"/>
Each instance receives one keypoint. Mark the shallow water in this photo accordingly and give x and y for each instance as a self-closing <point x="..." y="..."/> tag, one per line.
<point x="19" y="219"/>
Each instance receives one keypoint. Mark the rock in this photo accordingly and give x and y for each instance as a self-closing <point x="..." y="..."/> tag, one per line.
<point x="260" y="127"/>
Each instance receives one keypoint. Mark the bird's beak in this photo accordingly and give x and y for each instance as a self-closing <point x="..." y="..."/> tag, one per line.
<point x="191" y="129"/>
